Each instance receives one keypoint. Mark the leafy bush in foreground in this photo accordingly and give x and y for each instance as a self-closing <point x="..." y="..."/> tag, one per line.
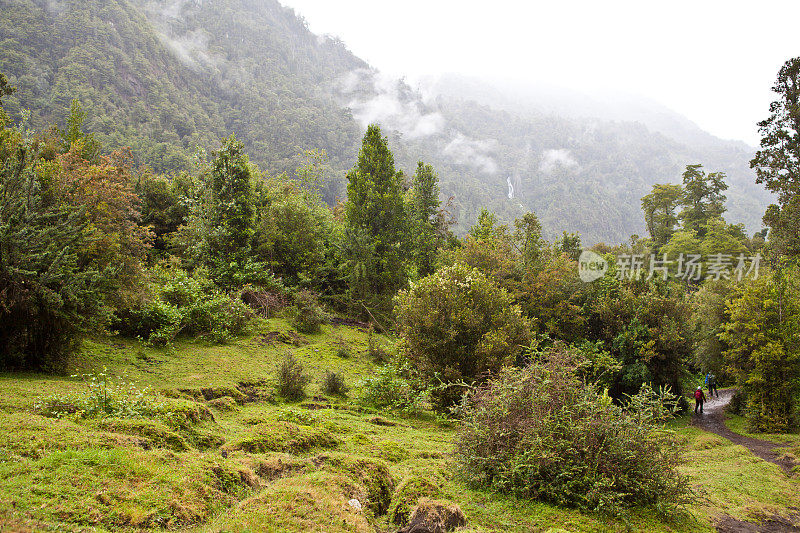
<point x="105" y="396"/>
<point x="390" y="386"/>
<point x="539" y="432"/>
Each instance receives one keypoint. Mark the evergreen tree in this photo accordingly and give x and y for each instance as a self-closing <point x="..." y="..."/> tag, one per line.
<point x="232" y="196"/>
<point x="5" y="90"/>
<point x="659" y="212"/>
<point x="530" y="241"/>
<point x="424" y="216"/>
<point x="377" y="222"/>
<point x="570" y="244"/>
<point x="73" y="133"/>
<point x="777" y="163"/>
<point x="231" y="217"/>
<point x="703" y="198"/>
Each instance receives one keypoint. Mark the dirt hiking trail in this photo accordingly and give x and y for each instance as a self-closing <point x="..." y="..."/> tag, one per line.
<point x="713" y="420"/>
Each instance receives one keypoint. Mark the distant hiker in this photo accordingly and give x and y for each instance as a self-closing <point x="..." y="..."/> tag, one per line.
<point x="711" y="383"/>
<point x="699" y="399"/>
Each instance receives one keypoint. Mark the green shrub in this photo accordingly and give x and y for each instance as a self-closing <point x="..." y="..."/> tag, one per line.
<point x="738" y="403"/>
<point x="292" y="379"/>
<point x="390" y="386"/>
<point x="333" y="383"/>
<point x="183" y="303"/>
<point x="539" y="432"/>
<point x="456" y="325"/>
<point x="375" y="351"/>
<point x="343" y="351"/>
<point x="306" y="315"/>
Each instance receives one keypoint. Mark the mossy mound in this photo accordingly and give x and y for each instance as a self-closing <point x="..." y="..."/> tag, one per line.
<point x="705" y="442"/>
<point x="311" y="502"/>
<point x="407" y="496"/>
<point x="157" y="434"/>
<point x="392" y="452"/>
<point x="184" y="413"/>
<point x="285" y="437"/>
<point x="125" y="488"/>
<point x="214" y="393"/>
<point x="433" y="516"/>
<point x="233" y="479"/>
<point x="372" y="474"/>
<point x="223" y="403"/>
<point x="279" y="465"/>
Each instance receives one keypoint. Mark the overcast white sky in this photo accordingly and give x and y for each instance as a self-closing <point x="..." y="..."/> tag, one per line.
<point x="713" y="61"/>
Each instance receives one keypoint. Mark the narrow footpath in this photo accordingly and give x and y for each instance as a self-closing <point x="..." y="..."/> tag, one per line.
<point x="713" y="420"/>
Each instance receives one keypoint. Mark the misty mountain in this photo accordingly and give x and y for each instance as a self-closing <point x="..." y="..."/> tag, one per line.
<point x="167" y="77"/>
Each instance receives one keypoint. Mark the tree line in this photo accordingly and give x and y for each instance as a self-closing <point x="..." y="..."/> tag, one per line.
<point x="90" y="242"/>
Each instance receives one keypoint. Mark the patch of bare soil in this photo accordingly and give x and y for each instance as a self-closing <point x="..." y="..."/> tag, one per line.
<point x="713" y="420"/>
<point x="770" y="524"/>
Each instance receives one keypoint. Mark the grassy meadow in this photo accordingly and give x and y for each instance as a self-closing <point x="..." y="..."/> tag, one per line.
<point x="220" y="451"/>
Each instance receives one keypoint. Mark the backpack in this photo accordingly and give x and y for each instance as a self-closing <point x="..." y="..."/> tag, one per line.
<point x="698" y="394"/>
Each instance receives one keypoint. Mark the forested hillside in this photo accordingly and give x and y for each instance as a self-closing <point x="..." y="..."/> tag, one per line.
<point x="167" y="77"/>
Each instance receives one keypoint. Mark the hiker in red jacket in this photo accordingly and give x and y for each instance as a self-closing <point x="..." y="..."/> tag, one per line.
<point x="699" y="399"/>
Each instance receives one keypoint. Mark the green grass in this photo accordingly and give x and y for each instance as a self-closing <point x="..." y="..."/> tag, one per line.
<point x="219" y="451"/>
<point x="738" y="424"/>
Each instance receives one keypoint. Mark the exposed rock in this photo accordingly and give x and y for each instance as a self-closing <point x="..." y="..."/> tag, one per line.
<point x="355" y="504"/>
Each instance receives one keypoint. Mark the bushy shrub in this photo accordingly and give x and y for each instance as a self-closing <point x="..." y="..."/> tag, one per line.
<point x="540" y="432"/>
<point x="333" y="383"/>
<point x="456" y="325"/>
<point x="292" y="379"/>
<point x="343" y="351"/>
<point x="306" y="315"/>
<point x="738" y="403"/>
<point x="264" y="302"/>
<point x="390" y="386"/>
<point x="182" y="303"/>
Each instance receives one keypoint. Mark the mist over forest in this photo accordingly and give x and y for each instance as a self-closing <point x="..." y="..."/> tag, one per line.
<point x="169" y="77"/>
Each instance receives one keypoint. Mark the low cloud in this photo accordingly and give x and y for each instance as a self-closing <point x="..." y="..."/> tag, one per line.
<point x="373" y="97"/>
<point x="190" y="47"/>
<point x="552" y="159"/>
<point x="377" y="98"/>
<point x="471" y="152"/>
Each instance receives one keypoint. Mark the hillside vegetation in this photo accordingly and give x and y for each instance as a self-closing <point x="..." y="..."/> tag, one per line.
<point x="168" y="77"/>
<point x="233" y="456"/>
